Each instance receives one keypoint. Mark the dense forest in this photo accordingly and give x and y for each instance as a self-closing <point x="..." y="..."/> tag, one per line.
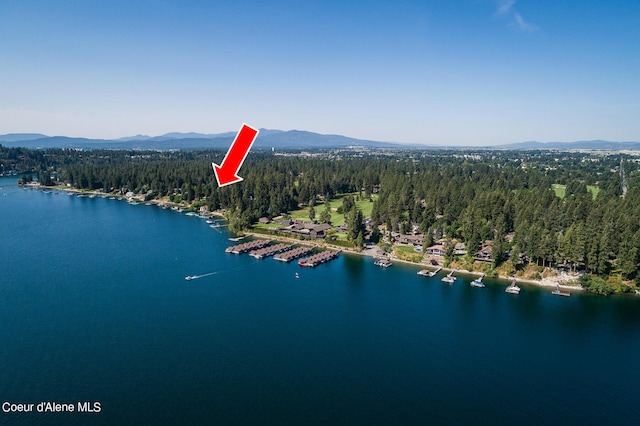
<point x="470" y="196"/>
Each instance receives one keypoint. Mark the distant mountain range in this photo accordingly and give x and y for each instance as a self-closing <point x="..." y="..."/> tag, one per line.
<point x="266" y="139"/>
<point x="291" y="139"/>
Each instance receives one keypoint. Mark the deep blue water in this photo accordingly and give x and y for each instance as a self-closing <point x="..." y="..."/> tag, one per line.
<point x="94" y="307"/>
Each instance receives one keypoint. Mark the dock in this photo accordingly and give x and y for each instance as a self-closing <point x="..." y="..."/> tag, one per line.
<point x="270" y="250"/>
<point x="449" y="279"/>
<point x="247" y="247"/>
<point x="319" y="258"/>
<point x="513" y="288"/>
<point x="383" y="263"/>
<point x="478" y="282"/>
<point x="290" y="255"/>
<point x="428" y="273"/>
<point x="560" y="292"/>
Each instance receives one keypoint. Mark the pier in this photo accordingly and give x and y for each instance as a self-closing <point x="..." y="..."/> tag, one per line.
<point x="290" y="255"/>
<point x="513" y="288"/>
<point x="383" y="263"/>
<point x="560" y="292"/>
<point x="246" y="247"/>
<point x="428" y="273"/>
<point x="449" y="279"/>
<point x="478" y="282"/>
<point x="270" y="250"/>
<point x="318" y="258"/>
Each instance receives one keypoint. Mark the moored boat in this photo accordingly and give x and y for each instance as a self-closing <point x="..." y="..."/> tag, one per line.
<point x="383" y="263"/>
<point x="513" y="288"/>
<point x="449" y="279"/>
<point x="478" y="282"/>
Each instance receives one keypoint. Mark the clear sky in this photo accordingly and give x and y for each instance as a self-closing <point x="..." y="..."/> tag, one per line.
<point x="432" y="71"/>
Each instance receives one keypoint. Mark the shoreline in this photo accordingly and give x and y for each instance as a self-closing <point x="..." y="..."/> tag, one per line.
<point x="346" y="250"/>
<point x="363" y="253"/>
<point x="137" y="198"/>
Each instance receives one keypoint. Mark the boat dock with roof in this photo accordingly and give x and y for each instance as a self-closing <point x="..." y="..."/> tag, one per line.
<point x="560" y="292"/>
<point x="270" y="250"/>
<point x="317" y="259"/>
<point x="290" y="255"/>
<point x="246" y="247"/>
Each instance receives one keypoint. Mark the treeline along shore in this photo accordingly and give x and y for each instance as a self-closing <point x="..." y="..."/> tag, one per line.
<point x="528" y="214"/>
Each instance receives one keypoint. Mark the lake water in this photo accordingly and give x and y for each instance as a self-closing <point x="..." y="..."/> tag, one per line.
<point x="94" y="308"/>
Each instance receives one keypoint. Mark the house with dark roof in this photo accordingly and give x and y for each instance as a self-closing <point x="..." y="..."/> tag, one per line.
<point x="484" y="254"/>
<point x="310" y="229"/>
<point x="319" y="231"/>
<point x="416" y="240"/>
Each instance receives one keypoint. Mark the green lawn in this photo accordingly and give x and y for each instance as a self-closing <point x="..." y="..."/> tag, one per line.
<point x="594" y="190"/>
<point x="336" y="219"/>
<point x="407" y="253"/>
<point x="560" y="190"/>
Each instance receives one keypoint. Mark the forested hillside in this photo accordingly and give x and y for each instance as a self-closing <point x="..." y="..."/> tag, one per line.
<point x="470" y="196"/>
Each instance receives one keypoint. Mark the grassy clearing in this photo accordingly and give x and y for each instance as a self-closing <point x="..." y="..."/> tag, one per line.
<point x="336" y="219"/>
<point x="594" y="190"/>
<point x="407" y="253"/>
<point x="266" y="226"/>
<point x="560" y="190"/>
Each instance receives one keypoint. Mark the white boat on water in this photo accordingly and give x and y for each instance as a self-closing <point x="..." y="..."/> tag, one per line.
<point x="384" y="263"/>
<point x="513" y="288"/>
<point x="449" y="279"/>
<point x="478" y="282"/>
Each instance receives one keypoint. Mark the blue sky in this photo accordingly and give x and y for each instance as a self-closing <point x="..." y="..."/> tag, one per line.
<point x="450" y="72"/>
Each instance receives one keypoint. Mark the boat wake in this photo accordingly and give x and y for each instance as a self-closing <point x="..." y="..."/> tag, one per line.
<point x="195" y="277"/>
<point x="223" y="271"/>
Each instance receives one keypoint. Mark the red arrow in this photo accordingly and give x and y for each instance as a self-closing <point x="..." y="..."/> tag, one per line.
<point x="226" y="173"/>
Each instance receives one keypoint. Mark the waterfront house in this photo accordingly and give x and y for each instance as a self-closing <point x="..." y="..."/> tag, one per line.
<point x="415" y="240"/>
<point x="460" y="249"/>
<point x="484" y="254"/>
<point x="435" y="250"/>
<point x="310" y="229"/>
<point x="319" y="231"/>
